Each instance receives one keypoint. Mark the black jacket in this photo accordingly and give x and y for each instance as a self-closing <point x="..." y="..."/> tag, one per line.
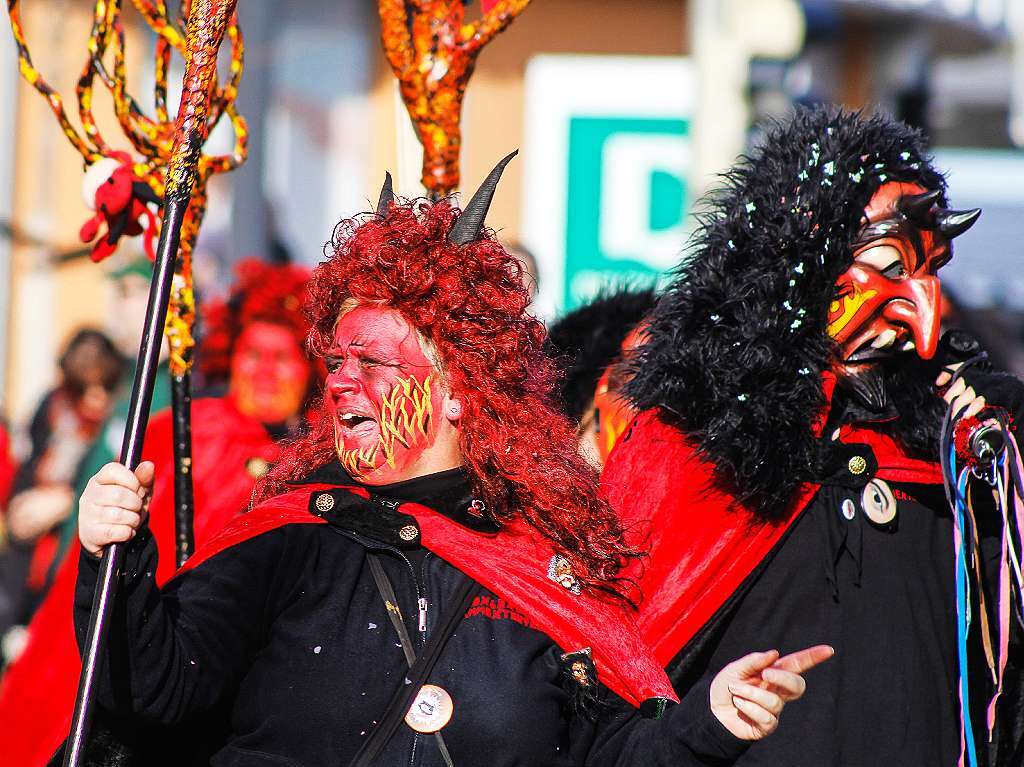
<point x="288" y="636"/>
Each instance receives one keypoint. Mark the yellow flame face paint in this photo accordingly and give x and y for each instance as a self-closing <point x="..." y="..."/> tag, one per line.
<point x="849" y="305"/>
<point x="404" y="419"/>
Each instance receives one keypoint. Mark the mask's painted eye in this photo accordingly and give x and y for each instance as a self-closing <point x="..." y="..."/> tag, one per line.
<point x="885" y="259"/>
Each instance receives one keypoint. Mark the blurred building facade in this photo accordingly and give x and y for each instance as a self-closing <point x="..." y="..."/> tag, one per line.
<point x="624" y="113"/>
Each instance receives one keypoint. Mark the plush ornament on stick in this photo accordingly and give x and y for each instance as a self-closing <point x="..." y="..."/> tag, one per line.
<point x="120" y="198"/>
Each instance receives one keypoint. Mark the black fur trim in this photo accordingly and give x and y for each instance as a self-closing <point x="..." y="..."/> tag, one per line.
<point x="738" y="344"/>
<point x="588" y="339"/>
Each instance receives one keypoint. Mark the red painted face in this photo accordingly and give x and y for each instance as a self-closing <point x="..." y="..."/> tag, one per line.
<point x="889" y="299"/>
<point x="269" y="373"/>
<point x="383" y="394"/>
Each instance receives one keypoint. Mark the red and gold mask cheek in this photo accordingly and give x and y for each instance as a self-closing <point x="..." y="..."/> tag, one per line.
<point x="612" y="416"/>
<point x="875" y="316"/>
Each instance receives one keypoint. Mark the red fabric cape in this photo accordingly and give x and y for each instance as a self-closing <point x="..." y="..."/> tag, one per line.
<point x="703" y="543"/>
<point x="514" y="565"/>
<point x="37" y="693"/>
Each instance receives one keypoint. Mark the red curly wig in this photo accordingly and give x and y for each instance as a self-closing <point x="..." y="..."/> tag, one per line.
<point x="262" y="293"/>
<point x="469" y="301"/>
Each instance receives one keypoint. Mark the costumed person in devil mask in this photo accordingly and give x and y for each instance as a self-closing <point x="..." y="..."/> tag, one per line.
<point x="254" y="347"/>
<point x="785" y="464"/>
<point x="587" y="343"/>
<point x="430" y="574"/>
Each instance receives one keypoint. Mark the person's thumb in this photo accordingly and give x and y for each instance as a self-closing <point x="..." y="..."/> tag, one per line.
<point x="145" y="472"/>
<point x="752" y="664"/>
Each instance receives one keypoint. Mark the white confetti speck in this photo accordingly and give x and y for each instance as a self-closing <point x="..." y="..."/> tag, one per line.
<point x="317" y="649"/>
<point x="373" y="626"/>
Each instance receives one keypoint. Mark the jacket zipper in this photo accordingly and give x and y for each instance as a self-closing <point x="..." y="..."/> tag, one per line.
<point x="420" y="581"/>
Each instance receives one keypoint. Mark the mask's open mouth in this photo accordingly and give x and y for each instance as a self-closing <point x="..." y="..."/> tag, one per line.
<point x="884" y="345"/>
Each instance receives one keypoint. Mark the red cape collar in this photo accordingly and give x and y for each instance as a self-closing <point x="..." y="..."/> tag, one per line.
<point x="702" y="542"/>
<point x="513" y="564"/>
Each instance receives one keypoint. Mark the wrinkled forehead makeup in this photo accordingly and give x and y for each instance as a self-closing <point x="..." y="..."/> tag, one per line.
<point x="425" y="344"/>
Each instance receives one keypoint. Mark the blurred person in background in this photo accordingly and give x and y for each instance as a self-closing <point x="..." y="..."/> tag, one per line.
<point x="586" y="343"/>
<point x="66" y="422"/>
<point x="8" y="468"/>
<point x="126" y="313"/>
<point x="252" y="352"/>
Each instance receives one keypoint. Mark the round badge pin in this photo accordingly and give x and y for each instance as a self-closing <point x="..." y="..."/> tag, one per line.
<point x="878" y="502"/>
<point x="431" y="710"/>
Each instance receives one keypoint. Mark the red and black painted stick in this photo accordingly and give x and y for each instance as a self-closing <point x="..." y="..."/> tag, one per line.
<point x="207" y="22"/>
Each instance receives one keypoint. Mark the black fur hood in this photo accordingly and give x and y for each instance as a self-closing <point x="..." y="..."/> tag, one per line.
<point x="737" y="344"/>
<point x="589" y="339"/>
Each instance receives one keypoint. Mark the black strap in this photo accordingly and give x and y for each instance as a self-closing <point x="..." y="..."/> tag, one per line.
<point x="421" y="667"/>
<point x="387" y="593"/>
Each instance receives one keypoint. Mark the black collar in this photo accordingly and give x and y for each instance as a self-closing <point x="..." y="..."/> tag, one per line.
<point x="447" y="492"/>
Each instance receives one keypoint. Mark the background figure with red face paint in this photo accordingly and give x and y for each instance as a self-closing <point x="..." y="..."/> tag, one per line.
<point x="587" y="343"/>
<point x="785" y="464"/>
<point x="437" y="510"/>
<point x="253" y="351"/>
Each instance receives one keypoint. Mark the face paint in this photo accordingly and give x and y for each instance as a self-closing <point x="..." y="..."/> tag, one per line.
<point x="269" y="373"/>
<point x="403" y="420"/>
<point x="381" y="395"/>
<point x="888" y="301"/>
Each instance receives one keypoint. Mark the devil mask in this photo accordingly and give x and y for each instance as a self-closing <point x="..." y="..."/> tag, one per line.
<point x="888" y="300"/>
<point x="815" y="261"/>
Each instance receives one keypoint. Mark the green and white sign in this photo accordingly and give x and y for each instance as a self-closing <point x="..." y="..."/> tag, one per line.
<point x="608" y="161"/>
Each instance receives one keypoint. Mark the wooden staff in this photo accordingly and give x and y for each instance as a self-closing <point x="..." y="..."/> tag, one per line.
<point x="207" y="22"/>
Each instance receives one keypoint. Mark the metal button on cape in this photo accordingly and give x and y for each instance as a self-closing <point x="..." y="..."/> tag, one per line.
<point x="324" y="502"/>
<point x="408" y="533"/>
<point x="857" y="465"/>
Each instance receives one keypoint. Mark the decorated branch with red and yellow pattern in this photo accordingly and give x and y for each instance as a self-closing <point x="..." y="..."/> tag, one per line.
<point x="120" y="186"/>
<point x="432" y="50"/>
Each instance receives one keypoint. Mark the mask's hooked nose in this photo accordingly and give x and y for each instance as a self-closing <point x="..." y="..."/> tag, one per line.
<point x="918" y="307"/>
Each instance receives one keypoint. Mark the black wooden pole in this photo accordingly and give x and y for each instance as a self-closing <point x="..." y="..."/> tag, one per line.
<point x="181" y="412"/>
<point x="131" y="451"/>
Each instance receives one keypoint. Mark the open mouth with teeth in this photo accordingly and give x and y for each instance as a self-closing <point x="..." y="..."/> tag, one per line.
<point x="886" y="344"/>
<point x="368" y="442"/>
<point x="355" y="422"/>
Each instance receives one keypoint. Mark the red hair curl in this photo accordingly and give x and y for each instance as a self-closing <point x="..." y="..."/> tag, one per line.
<point x="469" y="301"/>
<point x="262" y="292"/>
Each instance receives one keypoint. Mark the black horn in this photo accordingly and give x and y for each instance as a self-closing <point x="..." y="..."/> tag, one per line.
<point x="918" y="207"/>
<point x="953" y="223"/>
<point x="468" y="227"/>
<point x="387" y="196"/>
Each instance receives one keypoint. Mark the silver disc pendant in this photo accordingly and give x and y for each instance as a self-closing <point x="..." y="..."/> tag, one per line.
<point x="431" y="710"/>
<point x="878" y="502"/>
